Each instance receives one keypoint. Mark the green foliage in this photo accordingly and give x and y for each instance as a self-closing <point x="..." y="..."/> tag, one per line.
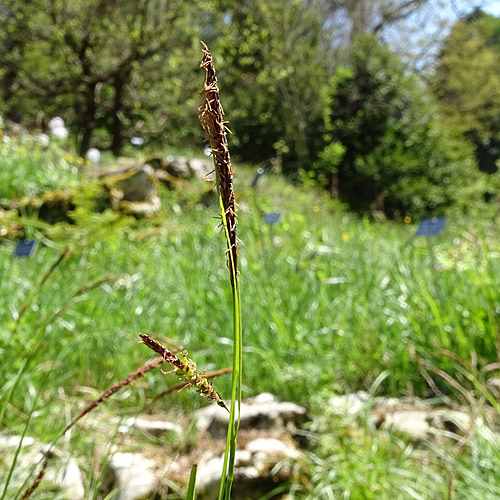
<point x="28" y="168"/>
<point x="467" y="83"/>
<point x="110" y="70"/>
<point x="398" y="157"/>
<point x="274" y="63"/>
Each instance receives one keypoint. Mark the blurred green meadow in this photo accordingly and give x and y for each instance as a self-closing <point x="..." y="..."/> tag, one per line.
<point x="332" y="303"/>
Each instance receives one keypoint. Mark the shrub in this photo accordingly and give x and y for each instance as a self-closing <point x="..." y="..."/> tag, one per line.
<point x="399" y="157"/>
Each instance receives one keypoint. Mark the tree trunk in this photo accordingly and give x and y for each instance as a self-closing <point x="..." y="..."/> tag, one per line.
<point x="88" y="118"/>
<point x="117" y="124"/>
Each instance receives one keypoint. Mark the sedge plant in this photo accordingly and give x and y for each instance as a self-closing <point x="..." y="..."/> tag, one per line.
<point x="211" y="116"/>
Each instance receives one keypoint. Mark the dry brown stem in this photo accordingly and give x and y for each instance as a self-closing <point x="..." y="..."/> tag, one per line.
<point x="115" y="388"/>
<point x="38" y="479"/>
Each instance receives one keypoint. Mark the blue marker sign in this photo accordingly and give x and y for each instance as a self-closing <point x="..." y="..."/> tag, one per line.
<point x="272" y="218"/>
<point x="260" y="173"/>
<point x="25" y="248"/>
<point x="431" y="227"/>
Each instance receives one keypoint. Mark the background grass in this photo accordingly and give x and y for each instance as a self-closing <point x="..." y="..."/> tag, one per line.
<point x="330" y="301"/>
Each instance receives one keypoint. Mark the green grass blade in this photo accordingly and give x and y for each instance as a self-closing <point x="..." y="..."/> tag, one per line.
<point x="5" y="403"/>
<point x="18" y="450"/>
<point x="192" y="483"/>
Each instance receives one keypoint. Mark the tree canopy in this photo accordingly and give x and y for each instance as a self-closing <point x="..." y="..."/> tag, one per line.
<point x="467" y="83"/>
<point x="397" y="155"/>
<point x="308" y="85"/>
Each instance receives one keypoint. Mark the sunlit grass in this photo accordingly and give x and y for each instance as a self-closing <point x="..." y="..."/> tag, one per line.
<point x="331" y="301"/>
<point x="27" y="168"/>
<point x="339" y="311"/>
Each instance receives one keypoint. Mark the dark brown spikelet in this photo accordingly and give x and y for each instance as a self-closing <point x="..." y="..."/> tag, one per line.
<point x="185" y="369"/>
<point x="212" y="120"/>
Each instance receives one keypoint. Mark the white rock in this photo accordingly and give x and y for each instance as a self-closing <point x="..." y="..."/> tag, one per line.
<point x="413" y="423"/>
<point x="155" y="427"/>
<point x="350" y="404"/>
<point x="135" y="475"/>
<point x="262" y="412"/>
<point x="494" y="386"/>
<point x="13" y="441"/>
<point x="254" y="469"/>
<point x="264" y="397"/>
<point x="62" y="470"/>
<point x="444" y="417"/>
<point x="201" y="168"/>
<point x="271" y="446"/>
<point x="68" y="479"/>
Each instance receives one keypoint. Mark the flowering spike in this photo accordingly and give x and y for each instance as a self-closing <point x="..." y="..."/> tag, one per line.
<point x="185" y="369"/>
<point x="211" y="117"/>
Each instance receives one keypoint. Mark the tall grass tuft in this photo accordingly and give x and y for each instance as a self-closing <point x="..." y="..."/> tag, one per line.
<point x="212" y="120"/>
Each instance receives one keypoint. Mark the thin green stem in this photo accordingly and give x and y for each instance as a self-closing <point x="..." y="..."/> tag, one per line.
<point x="18" y="449"/>
<point x="230" y="451"/>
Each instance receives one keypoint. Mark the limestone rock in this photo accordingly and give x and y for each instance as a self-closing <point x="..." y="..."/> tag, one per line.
<point x="133" y="475"/>
<point x="175" y="168"/>
<point x="68" y="479"/>
<point x="262" y="412"/>
<point x="256" y="471"/>
<point x="414" y="417"/>
<point x="178" y="167"/>
<point x="51" y="206"/>
<point x="12" y="442"/>
<point x="350" y="404"/>
<point x="494" y="386"/>
<point x="9" y="226"/>
<point x="413" y="423"/>
<point x="134" y="191"/>
<point x="154" y="427"/>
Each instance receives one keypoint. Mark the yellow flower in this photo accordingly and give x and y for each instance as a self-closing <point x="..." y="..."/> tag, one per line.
<point x="69" y="158"/>
<point x="345" y="237"/>
<point x="316" y="209"/>
<point x="79" y="160"/>
<point x="407" y="219"/>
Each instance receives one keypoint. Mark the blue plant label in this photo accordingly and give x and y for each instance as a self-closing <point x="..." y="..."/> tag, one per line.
<point x="260" y="173"/>
<point x="431" y="227"/>
<point x="272" y="218"/>
<point x="25" y="248"/>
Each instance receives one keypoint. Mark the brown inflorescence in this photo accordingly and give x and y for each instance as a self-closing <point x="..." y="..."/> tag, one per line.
<point x="212" y="120"/>
<point x="185" y="369"/>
